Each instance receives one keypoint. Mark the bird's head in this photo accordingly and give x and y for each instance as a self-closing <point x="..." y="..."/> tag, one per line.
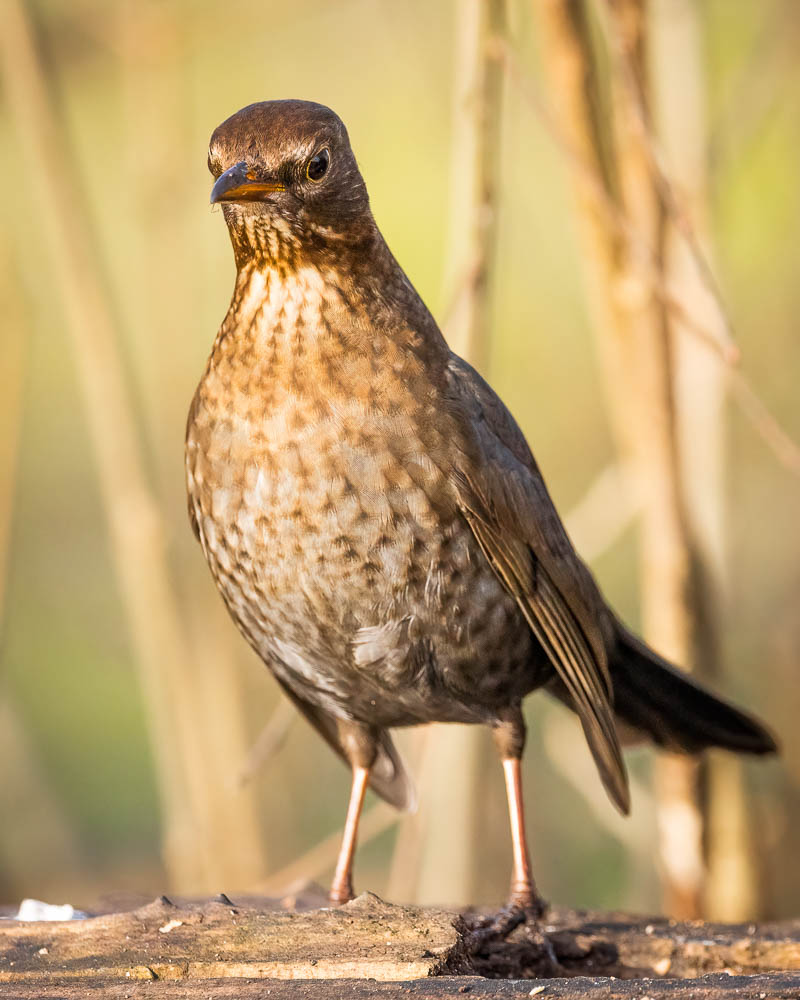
<point x="288" y="182"/>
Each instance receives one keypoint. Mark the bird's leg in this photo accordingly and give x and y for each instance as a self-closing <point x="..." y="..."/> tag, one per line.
<point x="523" y="889"/>
<point x="342" y="885"/>
<point x="509" y="738"/>
<point x="524" y="906"/>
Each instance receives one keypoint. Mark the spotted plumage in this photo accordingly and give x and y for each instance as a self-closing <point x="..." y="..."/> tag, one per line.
<point x="370" y="511"/>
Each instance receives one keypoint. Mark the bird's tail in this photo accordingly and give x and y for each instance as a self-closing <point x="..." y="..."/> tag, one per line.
<point x="673" y="710"/>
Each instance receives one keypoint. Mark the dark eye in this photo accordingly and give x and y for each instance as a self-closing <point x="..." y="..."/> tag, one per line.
<point x="318" y="165"/>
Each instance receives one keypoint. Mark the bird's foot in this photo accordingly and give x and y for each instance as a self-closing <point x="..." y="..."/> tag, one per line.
<point x="341" y="893"/>
<point x="526" y="911"/>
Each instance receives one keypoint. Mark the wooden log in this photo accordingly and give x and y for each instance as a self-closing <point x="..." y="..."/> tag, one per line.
<point x="217" y="939"/>
<point x="257" y="947"/>
<point x="716" y="987"/>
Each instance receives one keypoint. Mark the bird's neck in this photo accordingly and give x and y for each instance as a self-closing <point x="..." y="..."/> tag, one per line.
<point x="292" y="320"/>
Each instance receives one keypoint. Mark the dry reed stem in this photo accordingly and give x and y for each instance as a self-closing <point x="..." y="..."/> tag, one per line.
<point x="613" y="213"/>
<point x="784" y="448"/>
<point x="635" y="351"/>
<point x="765" y="422"/>
<point x="150" y="47"/>
<point x="270" y="740"/>
<point x="12" y="378"/>
<point x="671" y="198"/>
<point x="607" y="509"/>
<point x="475" y="177"/>
<point x="732" y="883"/>
<point x="135" y="529"/>
<point x="559" y="735"/>
<point x="670" y="600"/>
<point x="320" y="859"/>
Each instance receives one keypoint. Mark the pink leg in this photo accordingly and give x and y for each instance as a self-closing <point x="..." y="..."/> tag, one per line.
<point x="523" y="888"/>
<point x="342" y="885"/>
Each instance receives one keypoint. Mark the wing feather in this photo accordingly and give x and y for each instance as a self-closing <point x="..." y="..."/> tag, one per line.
<point x="505" y="502"/>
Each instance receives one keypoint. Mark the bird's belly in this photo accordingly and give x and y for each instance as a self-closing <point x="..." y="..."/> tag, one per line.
<point x="360" y="584"/>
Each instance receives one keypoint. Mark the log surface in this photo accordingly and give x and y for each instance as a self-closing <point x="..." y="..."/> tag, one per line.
<point x="258" y="948"/>
<point x="777" y="986"/>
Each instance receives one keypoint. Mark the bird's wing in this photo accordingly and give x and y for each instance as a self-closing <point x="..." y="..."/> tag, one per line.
<point x="504" y="499"/>
<point x="388" y="776"/>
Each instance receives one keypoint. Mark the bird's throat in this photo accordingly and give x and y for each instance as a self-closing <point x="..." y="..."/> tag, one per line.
<point x="279" y="316"/>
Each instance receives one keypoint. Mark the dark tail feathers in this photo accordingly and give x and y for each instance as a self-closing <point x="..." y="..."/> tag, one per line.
<point x="675" y="711"/>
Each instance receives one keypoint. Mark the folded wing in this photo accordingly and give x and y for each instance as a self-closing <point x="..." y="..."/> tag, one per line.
<point x="503" y="498"/>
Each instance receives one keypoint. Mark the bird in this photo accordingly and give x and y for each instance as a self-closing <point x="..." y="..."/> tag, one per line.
<point x="372" y="514"/>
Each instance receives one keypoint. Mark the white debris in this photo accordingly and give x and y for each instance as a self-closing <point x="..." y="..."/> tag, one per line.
<point x="35" y="909"/>
<point x="170" y="925"/>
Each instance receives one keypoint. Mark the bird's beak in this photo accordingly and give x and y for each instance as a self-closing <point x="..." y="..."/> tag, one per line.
<point x="242" y="183"/>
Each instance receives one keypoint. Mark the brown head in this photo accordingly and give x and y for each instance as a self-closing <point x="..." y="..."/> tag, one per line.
<point x="288" y="183"/>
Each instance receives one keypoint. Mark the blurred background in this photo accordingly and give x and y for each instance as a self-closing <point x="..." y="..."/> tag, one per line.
<point x="597" y="200"/>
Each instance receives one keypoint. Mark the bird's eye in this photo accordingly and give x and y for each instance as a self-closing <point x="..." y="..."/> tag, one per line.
<point x="318" y="165"/>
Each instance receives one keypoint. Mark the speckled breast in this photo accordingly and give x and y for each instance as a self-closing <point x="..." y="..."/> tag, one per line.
<point x="325" y="515"/>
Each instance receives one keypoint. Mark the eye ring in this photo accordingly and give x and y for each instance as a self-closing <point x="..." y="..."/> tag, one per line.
<point x="317" y="166"/>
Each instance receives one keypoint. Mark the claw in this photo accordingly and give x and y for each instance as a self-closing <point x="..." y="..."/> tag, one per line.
<point x="502" y="923"/>
<point x="537" y="936"/>
<point x="517" y="913"/>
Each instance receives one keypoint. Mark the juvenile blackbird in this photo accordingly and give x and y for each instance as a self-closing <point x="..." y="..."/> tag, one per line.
<point x="372" y="514"/>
